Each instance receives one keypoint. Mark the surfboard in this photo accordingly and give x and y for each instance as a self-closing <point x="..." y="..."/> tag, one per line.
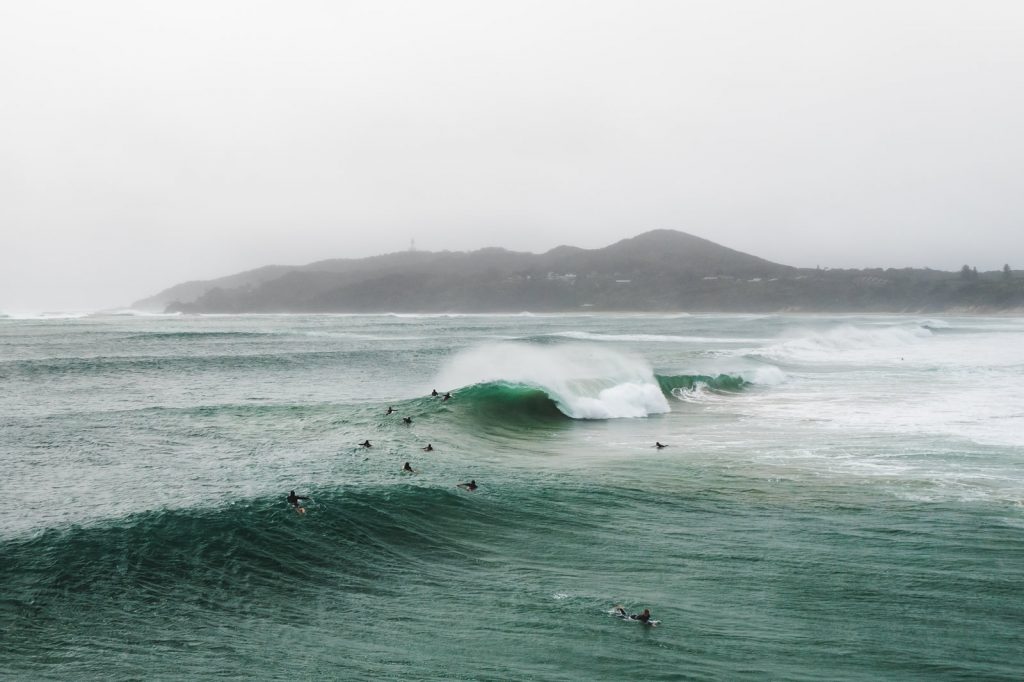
<point x="626" y="616"/>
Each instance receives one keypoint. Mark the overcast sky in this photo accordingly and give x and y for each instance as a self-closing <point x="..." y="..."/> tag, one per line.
<point x="143" y="144"/>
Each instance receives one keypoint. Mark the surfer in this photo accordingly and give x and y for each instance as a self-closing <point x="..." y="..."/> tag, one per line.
<point x="366" y="444"/>
<point x="659" y="445"/>
<point x="433" y="393"/>
<point x="407" y="420"/>
<point x="468" y="486"/>
<point x="408" y="468"/>
<point x="447" y="396"/>
<point x="644" y="617"/>
<point x="293" y="500"/>
<point x="429" y="448"/>
<point x="390" y="410"/>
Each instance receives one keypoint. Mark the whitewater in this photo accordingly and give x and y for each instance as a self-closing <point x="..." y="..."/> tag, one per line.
<point x="841" y="497"/>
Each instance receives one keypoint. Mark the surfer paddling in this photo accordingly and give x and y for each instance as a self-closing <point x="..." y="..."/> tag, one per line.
<point x="390" y="410"/>
<point x="293" y="500"/>
<point x="471" y="486"/>
<point x="447" y="396"/>
<point x="429" y="448"/>
<point x="659" y="445"/>
<point x="407" y="420"/>
<point x="366" y="444"/>
<point x="644" y="617"/>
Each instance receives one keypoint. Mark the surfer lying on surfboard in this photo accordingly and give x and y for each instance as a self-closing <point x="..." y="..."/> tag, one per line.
<point x="644" y="617"/>
<point x="468" y="486"/>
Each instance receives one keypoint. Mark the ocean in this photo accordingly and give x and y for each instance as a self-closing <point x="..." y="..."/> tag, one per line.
<point x="839" y="498"/>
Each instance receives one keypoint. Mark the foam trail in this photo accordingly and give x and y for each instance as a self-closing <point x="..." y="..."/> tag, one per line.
<point x="584" y="381"/>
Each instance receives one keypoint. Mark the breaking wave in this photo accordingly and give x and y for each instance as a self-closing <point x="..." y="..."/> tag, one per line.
<point x="845" y="340"/>
<point x="583" y="382"/>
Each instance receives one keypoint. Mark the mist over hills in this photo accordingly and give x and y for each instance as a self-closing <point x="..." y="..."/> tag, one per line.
<point x="657" y="270"/>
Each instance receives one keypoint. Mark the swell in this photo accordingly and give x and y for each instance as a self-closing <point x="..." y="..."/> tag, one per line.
<point x="86" y="366"/>
<point x="189" y="336"/>
<point x="346" y="539"/>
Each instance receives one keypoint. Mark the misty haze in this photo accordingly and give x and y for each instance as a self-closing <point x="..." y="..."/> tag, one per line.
<point x="145" y="146"/>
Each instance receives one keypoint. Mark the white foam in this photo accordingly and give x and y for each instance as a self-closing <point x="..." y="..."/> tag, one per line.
<point x="769" y="375"/>
<point x="654" y="338"/>
<point x="586" y="382"/>
<point x="131" y="312"/>
<point x="47" y="315"/>
<point x="699" y="393"/>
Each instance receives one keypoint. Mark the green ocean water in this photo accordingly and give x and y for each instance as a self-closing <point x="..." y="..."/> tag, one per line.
<point x="841" y="497"/>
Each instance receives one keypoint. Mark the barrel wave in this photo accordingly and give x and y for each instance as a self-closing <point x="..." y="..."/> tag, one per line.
<point x="584" y="382"/>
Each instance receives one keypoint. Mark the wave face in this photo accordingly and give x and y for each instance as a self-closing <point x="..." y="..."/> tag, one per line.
<point x="584" y="382"/>
<point x="725" y="383"/>
<point x="190" y="577"/>
<point x="509" y="403"/>
<point x="262" y="538"/>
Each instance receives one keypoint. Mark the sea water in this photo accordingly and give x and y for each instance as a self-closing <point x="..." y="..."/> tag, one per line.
<point x="841" y="497"/>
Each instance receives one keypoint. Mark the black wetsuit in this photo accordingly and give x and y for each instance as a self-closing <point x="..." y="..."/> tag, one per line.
<point x="293" y="499"/>
<point x="633" y="616"/>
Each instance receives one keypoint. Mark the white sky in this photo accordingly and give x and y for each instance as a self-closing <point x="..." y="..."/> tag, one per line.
<point x="143" y="144"/>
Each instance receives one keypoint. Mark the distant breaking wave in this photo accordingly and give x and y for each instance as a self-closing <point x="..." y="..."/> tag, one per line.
<point x="842" y="341"/>
<point x="583" y="382"/>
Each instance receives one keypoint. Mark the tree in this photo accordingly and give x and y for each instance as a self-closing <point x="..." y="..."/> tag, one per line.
<point x="1007" y="272"/>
